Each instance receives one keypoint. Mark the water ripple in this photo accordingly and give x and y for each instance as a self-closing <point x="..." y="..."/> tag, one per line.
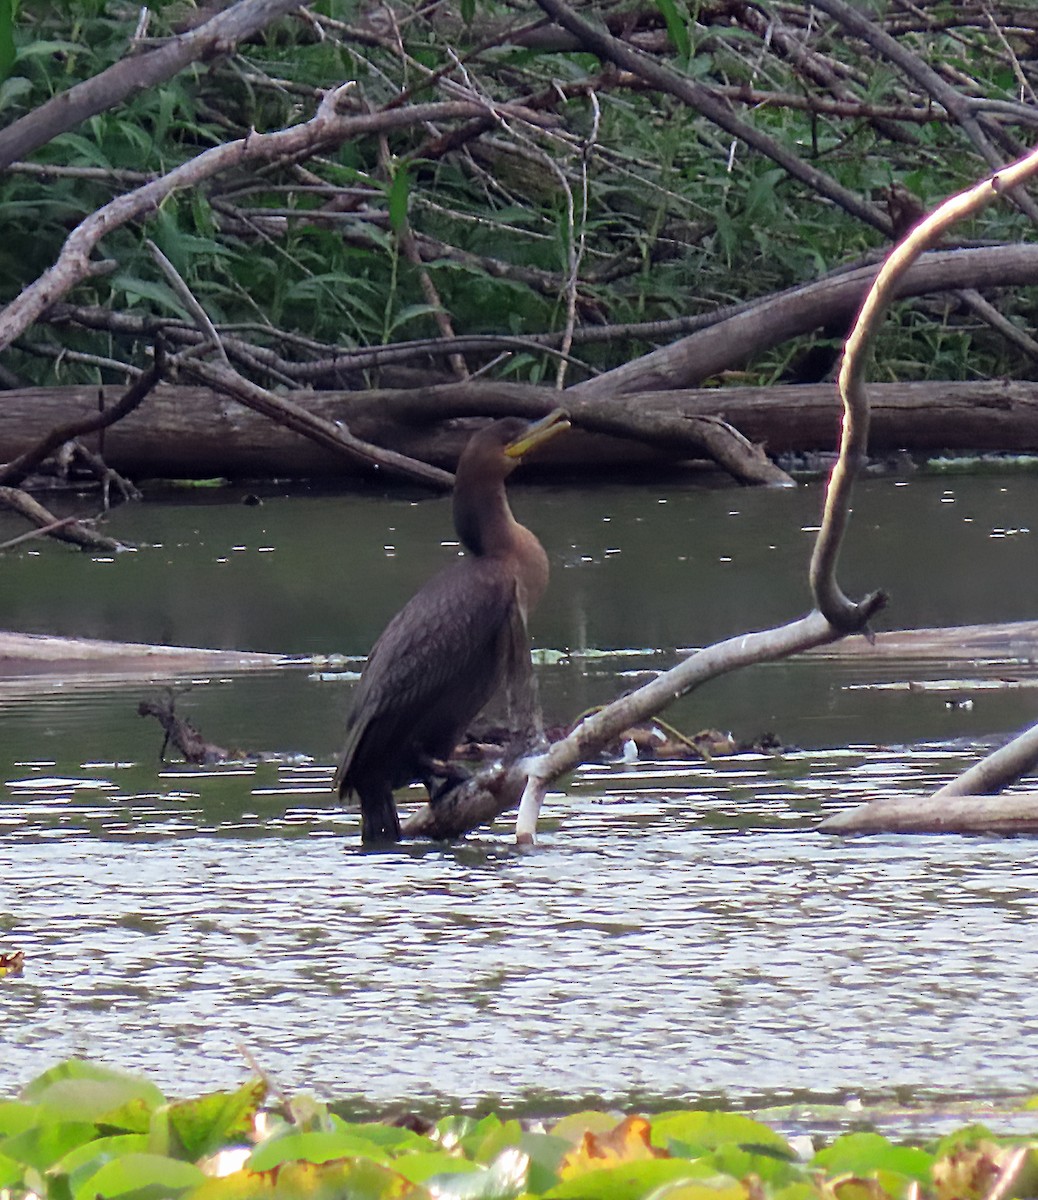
<point x="647" y="946"/>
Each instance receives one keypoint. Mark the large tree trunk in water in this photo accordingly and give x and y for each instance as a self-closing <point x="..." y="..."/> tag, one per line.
<point x="195" y="432"/>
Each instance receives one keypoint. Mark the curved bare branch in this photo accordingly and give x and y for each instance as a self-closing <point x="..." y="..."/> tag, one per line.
<point x="830" y="599"/>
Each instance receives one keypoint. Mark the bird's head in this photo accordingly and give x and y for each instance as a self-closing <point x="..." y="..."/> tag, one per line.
<point x="501" y="446"/>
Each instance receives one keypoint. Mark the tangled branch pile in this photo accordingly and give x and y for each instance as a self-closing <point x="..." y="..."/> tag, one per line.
<point x="622" y="197"/>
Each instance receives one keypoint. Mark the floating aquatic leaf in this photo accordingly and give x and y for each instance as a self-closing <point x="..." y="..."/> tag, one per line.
<point x="720" y="1189"/>
<point x="396" y="1138"/>
<point x="87" y="1091"/>
<point x="867" y="1153"/>
<point x="316" y="1147"/>
<point x="16" y="1117"/>
<point x="708" y="1130"/>
<point x="76" y="1090"/>
<point x="504" y="1179"/>
<point x="573" y="1127"/>
<point x="625" y="1181"/>
<point x="11" y="1172"/>
<point x="43" y="1145"/>
<point x="356" y="1179"/>
<point x="80" y="1164"/>
<point x="764" y="1164"/>
<point x="140" y="1177"/>
<point x="434" y="1164"/>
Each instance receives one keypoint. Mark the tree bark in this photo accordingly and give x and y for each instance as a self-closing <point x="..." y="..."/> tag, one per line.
<point x="1013" y="813"/>
<point x="193" y="432"/>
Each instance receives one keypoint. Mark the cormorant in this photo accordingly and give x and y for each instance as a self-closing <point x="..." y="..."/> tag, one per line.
<point x="459" y="638"/>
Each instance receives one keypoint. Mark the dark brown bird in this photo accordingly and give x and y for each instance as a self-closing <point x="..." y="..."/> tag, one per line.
<point x="455" y="642"/>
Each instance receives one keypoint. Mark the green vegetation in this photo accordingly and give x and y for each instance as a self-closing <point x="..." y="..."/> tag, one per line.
<point x="83" y="1132"/>
<point x="601" y="199"/>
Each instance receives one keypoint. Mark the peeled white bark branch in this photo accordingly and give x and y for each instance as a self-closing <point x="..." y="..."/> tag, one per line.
<point x="951" y="803"/>
<point x="474" y="804"/>
<point x="1006" y="765"/>
<point x="829" y="598"/>
<point x="1016" y="813"/>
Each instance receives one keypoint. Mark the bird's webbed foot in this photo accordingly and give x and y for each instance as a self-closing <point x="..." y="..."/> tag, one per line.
<point x="442" y="777"/>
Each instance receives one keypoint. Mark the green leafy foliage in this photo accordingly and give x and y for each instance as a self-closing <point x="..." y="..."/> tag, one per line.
<point x="680" y="218"/>
<point x="7" y="50"/>
<point x="66" y="1137"/>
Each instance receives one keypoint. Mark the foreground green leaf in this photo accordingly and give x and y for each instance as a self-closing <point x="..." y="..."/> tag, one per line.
<point x="317" y="1147"/>
<point x="82" y="1091"/>
<point x="628" y="1181"/>
<point x="867" y="1153"/>
<point x="202" y="1126"/>
<point x="140" y="1177"/>
<point x="702" y="1131"/>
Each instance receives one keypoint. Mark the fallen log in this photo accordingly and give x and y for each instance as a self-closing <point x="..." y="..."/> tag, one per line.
<point x="40" y="660"/>
<point x="194" y="432"/>
<point x="1015" y="813"/>
<point x="1008" y="642"/>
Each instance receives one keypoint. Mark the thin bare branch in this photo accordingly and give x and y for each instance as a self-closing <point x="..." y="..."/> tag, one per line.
<point x="135" y="73"/>
<point x="694" y="94"/>
<point x="897" y="52"/>
<point x="76" y="532"/>
<point x="326" y="433"/>
<point x="13" y="472"/>
<point x="189" y="300"/>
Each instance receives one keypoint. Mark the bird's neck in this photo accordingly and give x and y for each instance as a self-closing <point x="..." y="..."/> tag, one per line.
<point x="487" y="529"/>
<point x="483" y="519"/>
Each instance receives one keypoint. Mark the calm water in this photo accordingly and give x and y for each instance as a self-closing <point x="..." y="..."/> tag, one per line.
<point x="681" y="933"/>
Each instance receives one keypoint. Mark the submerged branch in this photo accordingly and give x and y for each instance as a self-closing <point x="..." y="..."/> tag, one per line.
<point x="76" y="532"/>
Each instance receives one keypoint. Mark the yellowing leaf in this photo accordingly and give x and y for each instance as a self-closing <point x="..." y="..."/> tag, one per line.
<point x="624" y="1181"/>
<point x="211" y="1121"/>
<point x="627" y="1142"/>
<point x="969" y="1172"/>
<point x="11" y="964"/>
<point x="686" y="1189"/>
<point x="854" y="1187"/>
<point x="356" y="1178"/>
